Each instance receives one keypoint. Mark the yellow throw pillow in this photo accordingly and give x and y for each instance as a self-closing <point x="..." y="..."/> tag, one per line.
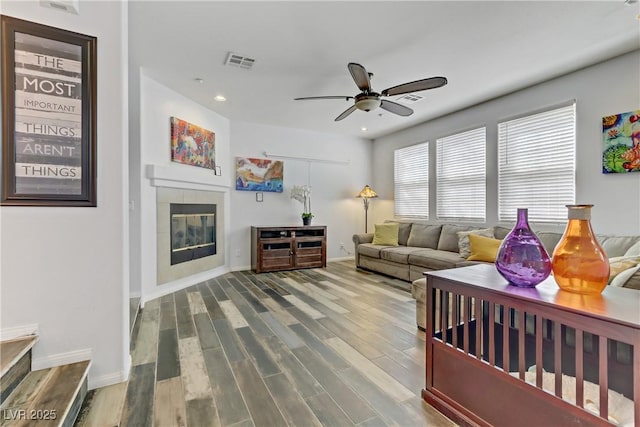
<point x="386" y="234"/>
<point x="483" y="248"/>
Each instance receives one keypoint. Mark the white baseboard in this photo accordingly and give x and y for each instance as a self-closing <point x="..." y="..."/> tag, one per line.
<point x="344" y="258"/>
<point x="177" y="285"/>
<point x="61" y="359"/>
<point x="107" y="380"/>
<point x="241" y="268"/>
<point x="112" y="378"/>
<point x="18" y="331"/>
<point x="134" y="294"/>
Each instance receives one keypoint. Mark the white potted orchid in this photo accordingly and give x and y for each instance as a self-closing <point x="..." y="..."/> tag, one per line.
<point x="302" y="193"/>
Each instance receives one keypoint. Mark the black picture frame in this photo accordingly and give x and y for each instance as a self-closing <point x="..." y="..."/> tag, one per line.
<point x="48" y="115"/>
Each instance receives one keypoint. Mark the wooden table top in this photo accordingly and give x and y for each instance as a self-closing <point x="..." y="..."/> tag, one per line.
<point x="615" y="304"/>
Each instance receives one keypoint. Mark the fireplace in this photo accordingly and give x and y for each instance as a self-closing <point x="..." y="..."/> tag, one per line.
<point x="193" y="231"/>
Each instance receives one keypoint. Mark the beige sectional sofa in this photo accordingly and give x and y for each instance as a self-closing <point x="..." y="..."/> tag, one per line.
<point x="427" y="247"/>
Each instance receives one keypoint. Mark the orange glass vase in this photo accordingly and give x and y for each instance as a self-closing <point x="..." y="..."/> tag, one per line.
<point x="579" y="263"/>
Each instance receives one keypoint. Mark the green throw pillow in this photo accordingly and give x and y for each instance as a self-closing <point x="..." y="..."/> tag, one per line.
<point x="386" y="234"/>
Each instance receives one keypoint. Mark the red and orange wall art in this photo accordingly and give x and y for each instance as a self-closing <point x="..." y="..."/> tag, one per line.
<point x="192" y="145"/>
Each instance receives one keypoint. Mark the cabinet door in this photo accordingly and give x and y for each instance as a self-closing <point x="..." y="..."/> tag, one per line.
<point x="276" y="254"/>
<point x="309" y="252"/>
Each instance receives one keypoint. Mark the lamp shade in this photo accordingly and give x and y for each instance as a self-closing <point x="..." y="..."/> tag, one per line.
<point x="367" y="193"/>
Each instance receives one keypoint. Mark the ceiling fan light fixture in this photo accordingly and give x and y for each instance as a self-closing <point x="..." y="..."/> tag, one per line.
<point x="367" y="102"/>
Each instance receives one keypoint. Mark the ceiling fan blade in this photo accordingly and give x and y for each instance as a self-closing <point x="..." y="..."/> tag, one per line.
<point x="345" y="113"/>
<point x="360" y="76"/>
<point x="417" y="86"/>
<point x="346" y="98"/>
<point x="394" y="107"/>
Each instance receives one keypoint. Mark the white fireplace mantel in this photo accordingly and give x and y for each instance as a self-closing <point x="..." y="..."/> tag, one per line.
<point x="186" y="177"/>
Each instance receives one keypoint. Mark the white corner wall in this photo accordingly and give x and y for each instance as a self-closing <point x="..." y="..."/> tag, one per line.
<point x="66" y="269"/>
<point x="334" y="185"/>
<point x="603" y="89"/>
<point x="157" y="105"/>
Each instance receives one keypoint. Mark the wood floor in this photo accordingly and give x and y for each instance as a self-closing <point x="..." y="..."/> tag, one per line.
<point x="331" y="347"/>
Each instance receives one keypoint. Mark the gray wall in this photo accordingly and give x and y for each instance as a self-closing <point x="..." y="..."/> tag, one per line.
<point x="603" y="89"/>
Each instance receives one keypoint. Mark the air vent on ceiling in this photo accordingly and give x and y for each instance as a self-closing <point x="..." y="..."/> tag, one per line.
<point x="236" y="60"/>
<point x="409" y="98"/>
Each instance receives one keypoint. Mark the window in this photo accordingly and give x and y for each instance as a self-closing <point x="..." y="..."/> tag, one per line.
<point x="411" y="181"/>
<point x="536" y="165"/>
<point x="462" y="176"/>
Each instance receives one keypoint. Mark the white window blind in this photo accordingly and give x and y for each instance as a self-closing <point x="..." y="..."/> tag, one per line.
<point x="536" y="165"/>
<point x="411" y="181"/>
<point x="462" y="176"/>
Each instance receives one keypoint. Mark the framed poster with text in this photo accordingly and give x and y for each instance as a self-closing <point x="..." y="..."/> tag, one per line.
<point x="48" y="115"/>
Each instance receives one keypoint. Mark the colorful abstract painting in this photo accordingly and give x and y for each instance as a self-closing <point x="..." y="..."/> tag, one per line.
<point x="621" y="152"/>
<point x="192" y="145"/>
<point x="259" y="174"/>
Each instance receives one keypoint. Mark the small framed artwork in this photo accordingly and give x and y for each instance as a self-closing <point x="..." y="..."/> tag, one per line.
<point x="48" y="115"/>
<point x="621" y="142"/>
<point x="217" y="171"/>
<point x="259" y="196"/>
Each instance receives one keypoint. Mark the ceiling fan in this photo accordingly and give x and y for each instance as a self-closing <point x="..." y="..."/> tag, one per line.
<point x="368" y="100"/>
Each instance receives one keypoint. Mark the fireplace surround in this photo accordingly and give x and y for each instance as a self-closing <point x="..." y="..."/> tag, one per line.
<point x="168" y="272"/>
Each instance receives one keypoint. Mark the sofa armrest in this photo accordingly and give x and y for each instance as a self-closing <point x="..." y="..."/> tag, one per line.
<point x="362" y="238"/>
<point x="359" y="239"/>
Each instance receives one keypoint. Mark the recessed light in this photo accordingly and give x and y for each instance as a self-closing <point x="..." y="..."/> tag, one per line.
<point x="199" y="80"/>
<point x="219" y="98"/>
<point x="363" y="129"/>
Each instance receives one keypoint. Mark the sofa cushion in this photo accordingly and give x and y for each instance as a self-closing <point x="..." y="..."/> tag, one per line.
<point x="463" y="239"/>
<point x="501" y="232"/>
<point x="617" y="245"/>
<point x="483" y="248"/>
<point x="404" y="228"/>
<point x="371" y="250"/>
<point x="549" y="240"/>
<point x="386" y="234"/>
<point x="434" y="259"/>
<point x="398" y="254"/>
<point x="449" y="237"/>
<point x="424" y="236"/>
<point x="467" y="263"/>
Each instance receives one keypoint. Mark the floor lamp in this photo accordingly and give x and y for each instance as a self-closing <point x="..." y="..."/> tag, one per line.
<point x="366" y="194"/>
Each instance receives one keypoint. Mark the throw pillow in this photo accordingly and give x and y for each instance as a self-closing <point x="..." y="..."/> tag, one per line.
<point x="386" y="234"/>
<point x="424" y="236"/>
<point x="633" y="250"/>
<point x="622" y="280"/>
<point x="483" y="248"/>
<point x="404" y="228"/>
<point x="619" y="264"/>
<point x="463" y="239"/>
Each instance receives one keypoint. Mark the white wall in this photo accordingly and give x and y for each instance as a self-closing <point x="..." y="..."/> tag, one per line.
<point x="157" y="105"/>
<point x="603" y="89"/>
<point x="66" y="269"/>
<point x="334" y="185"/>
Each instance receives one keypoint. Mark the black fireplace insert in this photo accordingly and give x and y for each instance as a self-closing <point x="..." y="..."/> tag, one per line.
<point x="193" y="231"/>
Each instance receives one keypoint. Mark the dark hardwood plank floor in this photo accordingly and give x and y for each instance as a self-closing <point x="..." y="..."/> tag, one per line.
<point x="332" y="347"/>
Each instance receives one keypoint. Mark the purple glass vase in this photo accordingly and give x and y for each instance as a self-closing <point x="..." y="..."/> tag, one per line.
<point x="522" y="259"/>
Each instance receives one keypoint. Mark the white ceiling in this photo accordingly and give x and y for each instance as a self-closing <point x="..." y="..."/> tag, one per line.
<point x="484" y="48"/>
